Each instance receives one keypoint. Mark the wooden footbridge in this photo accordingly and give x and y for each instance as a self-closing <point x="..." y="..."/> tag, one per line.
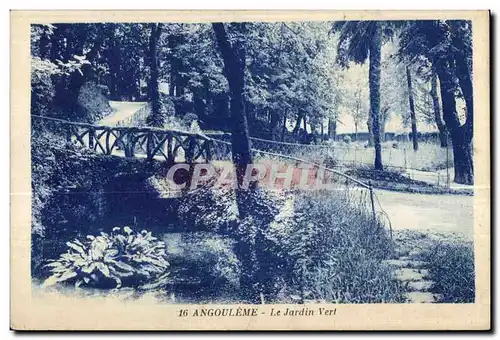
<point x="172" y="146"/>
<point x="169" y="145"/>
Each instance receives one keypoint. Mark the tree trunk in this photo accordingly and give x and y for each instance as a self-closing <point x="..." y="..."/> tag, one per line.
<point x="297" y="124"/>
<point x="283" y="129"/>
<point x="234" y="67"/>
<point x="370" y="130"/>
<point x="274" y="124"/>
<point x="462" y="159"/>
<point x="461" y="137"/>
<point x="250" y="246"/>
<point x="114" y="67"/>
<point x="443" y="136"/>
<point x="374" y="82"/>
<point x="412" y="110"/>
<point x="463" y="67"/>
<point x="304" y="136"/>
<point x="355" y="131"/>
<point x="332" y="129"/>
<point x="154" y="94"/>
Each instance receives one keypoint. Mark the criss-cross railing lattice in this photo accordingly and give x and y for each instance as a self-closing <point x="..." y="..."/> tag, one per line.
<point x="152" y="143"/>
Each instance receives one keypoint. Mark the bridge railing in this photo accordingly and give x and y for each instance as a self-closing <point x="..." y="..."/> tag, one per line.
<point x="149" y="142"/>
<point x="174" y="146"/>
<point x="346" y="187"/>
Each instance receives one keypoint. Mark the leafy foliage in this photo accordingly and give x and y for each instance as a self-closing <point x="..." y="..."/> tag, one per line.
<point x="92" y="102"/>
<point x="123" y="256"/>
<point x="451" y="267"/>
<point x="331" y="252"/>
<point x="44" y="75"/>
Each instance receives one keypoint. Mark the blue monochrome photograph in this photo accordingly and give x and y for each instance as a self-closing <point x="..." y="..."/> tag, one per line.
<point x="276" y="162"/>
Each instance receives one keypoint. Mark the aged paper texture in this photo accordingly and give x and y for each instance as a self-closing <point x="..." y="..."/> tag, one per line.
<point x="250" y="170"/>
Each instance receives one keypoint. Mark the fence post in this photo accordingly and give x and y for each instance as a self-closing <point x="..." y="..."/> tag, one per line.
<point x="406" y="164"/>
<point x="448" y="185"/>
<point x="372" y="200"/>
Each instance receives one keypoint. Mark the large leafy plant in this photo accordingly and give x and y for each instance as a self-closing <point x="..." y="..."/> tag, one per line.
<point x="120" y="258"/>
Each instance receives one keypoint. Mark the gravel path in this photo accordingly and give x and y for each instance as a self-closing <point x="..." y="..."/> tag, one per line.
<point x="122" y="111"/>
<point x="437" y="213"/>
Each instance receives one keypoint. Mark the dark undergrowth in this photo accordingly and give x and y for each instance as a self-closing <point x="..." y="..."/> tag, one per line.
<point x="319" y="245"/>
<point x="451" y="267"/>
<point x="336" y="249"/>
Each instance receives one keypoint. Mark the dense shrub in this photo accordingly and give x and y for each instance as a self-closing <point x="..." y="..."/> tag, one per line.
<point x="68" y="184"/>
<point x="451" y="267"/>
<point x="317" y="245"/>
<point x="42" y="86"/>
<point x="167" y="107"/>
<point x="121" y="258"/>
<point x="210" y="209"/>
<point x="331" y="250"/>
<point x="208" y="257"/>
<point x="92" y="103"/>
<point x="48" y="78"/>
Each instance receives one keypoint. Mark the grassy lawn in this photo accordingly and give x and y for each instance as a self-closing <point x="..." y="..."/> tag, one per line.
<point x="449" y="260"/>
<point x="451" y="267"/>
<point x="429" y="157"/>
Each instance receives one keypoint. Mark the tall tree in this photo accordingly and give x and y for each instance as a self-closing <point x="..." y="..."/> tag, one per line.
<point x="156" y="118"/>
<point x="359" y="41"/>
<point x="412" y="110"/>
<point x="374" y="81"/>
<point x="234" y="69"/>
<point x="233" y="56"/>
<point x="447" y="45"/>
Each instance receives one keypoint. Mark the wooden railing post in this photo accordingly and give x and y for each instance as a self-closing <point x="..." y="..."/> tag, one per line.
<point x="170" y="148"/>
<point x="108" y="146"/>
<point x="190" y="149"/>
<point x="69" y="133"/>
<point x="208" y="150"/>
<point x="129" y="143"/>
<point x="149" y="145"/>
<point x="91" y="135"/>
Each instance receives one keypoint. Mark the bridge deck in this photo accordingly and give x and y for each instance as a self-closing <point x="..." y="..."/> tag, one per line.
<point x="123" y="112"/>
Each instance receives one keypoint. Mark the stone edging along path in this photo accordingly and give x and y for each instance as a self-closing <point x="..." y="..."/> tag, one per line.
<point x="413" y="275"/>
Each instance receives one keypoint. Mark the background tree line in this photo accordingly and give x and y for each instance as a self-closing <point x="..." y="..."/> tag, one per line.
<point x="297" y="78"/>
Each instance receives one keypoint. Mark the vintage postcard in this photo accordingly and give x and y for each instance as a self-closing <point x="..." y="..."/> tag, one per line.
<point x="250" y="170"/>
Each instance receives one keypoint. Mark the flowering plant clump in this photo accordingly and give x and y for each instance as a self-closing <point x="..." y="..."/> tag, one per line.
<point x="120" y="258"/>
